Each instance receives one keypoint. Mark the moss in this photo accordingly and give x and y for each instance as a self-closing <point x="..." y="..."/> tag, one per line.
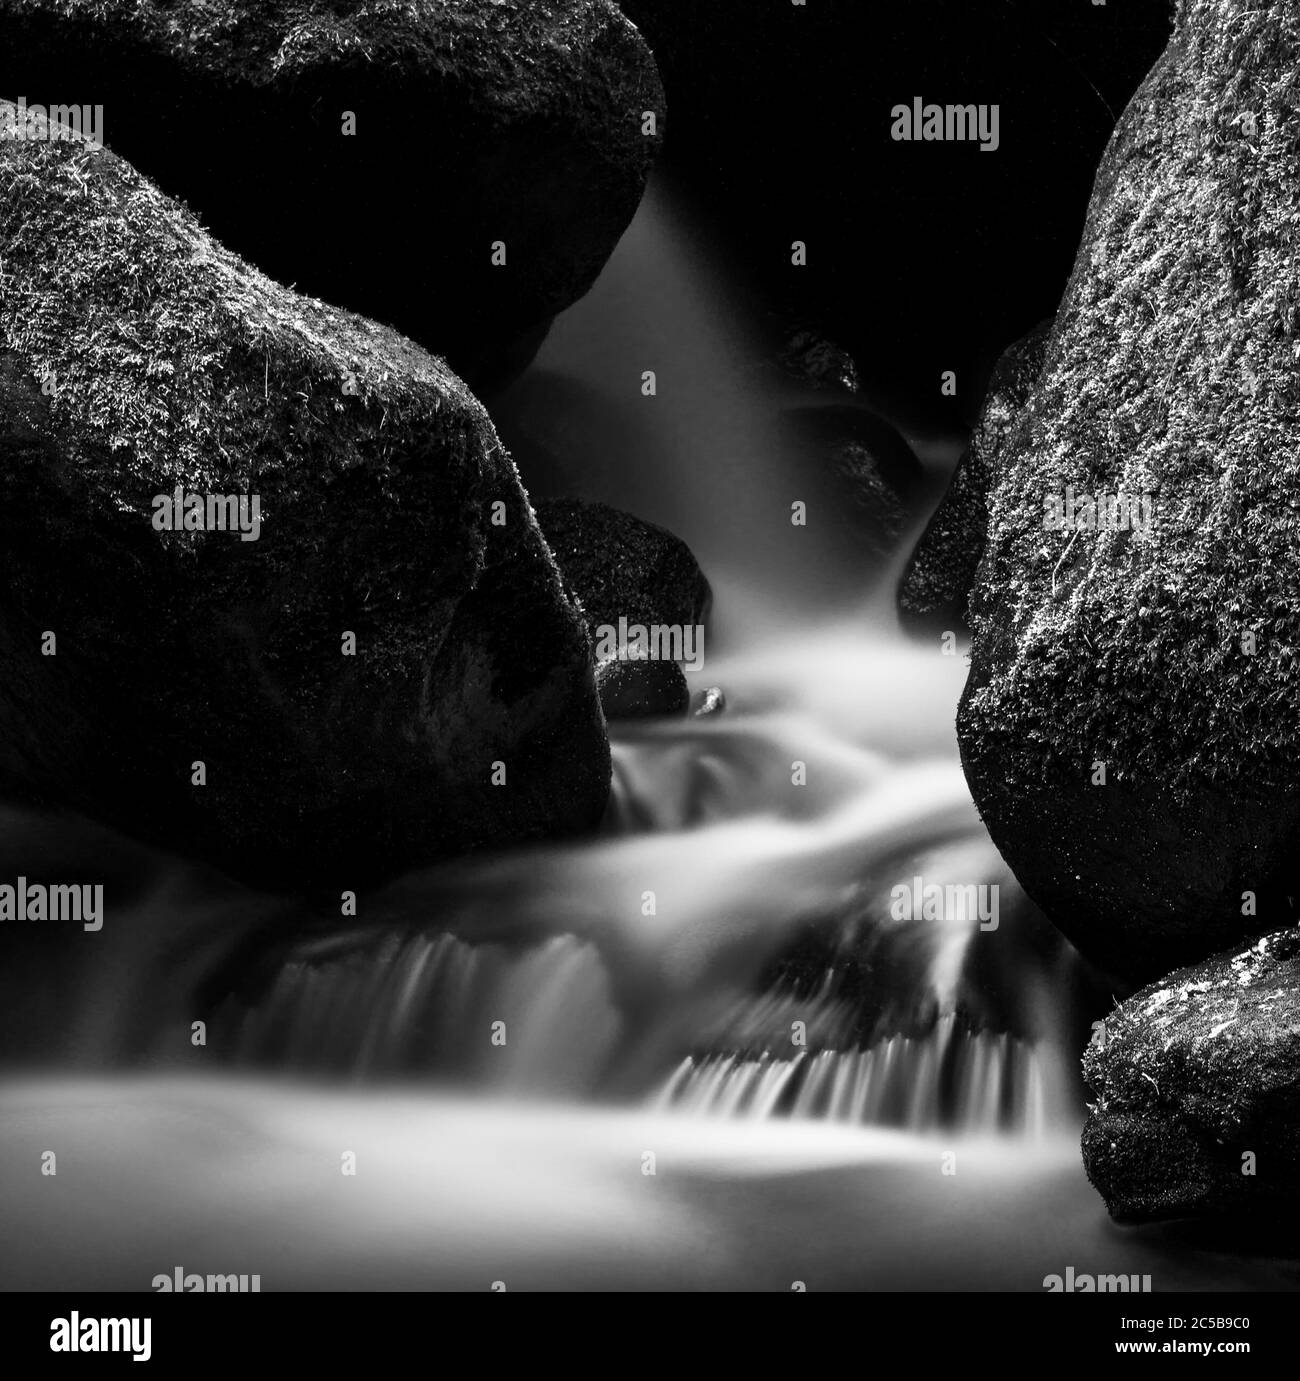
<point x="154" y="339"/>
<point x="477" y="121"/>
<point x="621" y="567"/>
<point x="177" y="364"/>
<point x="260" y="41"/>
<point x="1190" y="1073"/>
<point x="941" y="571"/>
<point x="1172" y="371"/>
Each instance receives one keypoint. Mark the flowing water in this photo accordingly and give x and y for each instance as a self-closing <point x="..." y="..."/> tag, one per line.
<point x="728" y="947"/>
<point x="702" y="1050"/>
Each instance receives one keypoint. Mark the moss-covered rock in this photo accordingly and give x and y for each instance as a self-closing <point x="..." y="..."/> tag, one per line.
<point x="476" y="121"/>
<point x="1131" y="725"/>
<point x="619" y="566"/>
<point x="1197" y="1081"/>
<point x="941" y="571"/>
<point x="138" y="356"/>
<point x="624" y="572"/>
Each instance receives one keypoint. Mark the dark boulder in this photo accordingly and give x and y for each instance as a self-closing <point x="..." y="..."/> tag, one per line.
<point x="642" y="689"/>
<point x="619" y="566"/>
<point x="1197" y="1082"/>
<point x="477" y="122"/>
<point x="1131" y="725"/>
<point x="938" y="579"/>
<point x="139" y="357"/>
<point x="812" y="359"/>
<point x="625" y="575"/>
<point x="867" y="478"/>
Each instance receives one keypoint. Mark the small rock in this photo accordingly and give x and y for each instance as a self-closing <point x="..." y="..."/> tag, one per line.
<point x="619" y="566"/>
<point x="864" y="469"/>
<point x="642" y="689"/>
<point x="708" y="703"/>
<point x="811" y="358"/>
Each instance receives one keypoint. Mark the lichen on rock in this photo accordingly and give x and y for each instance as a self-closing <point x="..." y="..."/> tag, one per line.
<point x="138" y="356"/>
<point x="1197" y="1087"/>
<point x="940" y="573"/>
<point x="1131" y="725"/>
<point x="376" y="153"/>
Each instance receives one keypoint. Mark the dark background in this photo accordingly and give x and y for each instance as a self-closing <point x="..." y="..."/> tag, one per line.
<point x="923" y="257"/>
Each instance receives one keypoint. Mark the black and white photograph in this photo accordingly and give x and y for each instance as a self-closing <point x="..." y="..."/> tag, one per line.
<point x="649" y="646"/>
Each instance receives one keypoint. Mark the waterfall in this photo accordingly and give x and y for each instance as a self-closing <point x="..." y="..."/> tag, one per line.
<point x="727" y="944"/>
<point x="971" y="1083"/>
<point x="720" y="978"/>
<point x="741" y="884"/>
<point x="546" y="972"/>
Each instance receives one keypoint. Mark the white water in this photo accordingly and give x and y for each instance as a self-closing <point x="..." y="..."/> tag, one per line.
<point x="639" y="966"/>
<point x="218" y="1175"/>
<point x="594" y="993"/>
<point x="1000" y="1082"/>
<point x="629" y="1030"/>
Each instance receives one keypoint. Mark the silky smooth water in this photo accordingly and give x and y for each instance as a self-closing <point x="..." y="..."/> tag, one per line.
<point x="699" y="1051"/>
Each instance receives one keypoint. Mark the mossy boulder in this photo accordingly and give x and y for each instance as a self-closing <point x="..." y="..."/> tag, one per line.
<point x="476" y="122"/>
<point x="137" y="356"/>
<point x="625" y="572"/>
<point x="1131" y="725"/>
<point x="619" y="566"/>
<point x="1197" y="1082"/>
<point x="941" y="571"/>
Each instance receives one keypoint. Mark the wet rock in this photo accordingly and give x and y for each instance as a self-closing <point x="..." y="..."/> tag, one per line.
<point x="1197" y="1082"/>
<point x="1131" y="726"/>
<point x="938" y="579"/>
<point x="478" y="123"/>
<point x="811" y="358"/>
<point x="867" y="475"/>
<point x="642" y="689"/>
<point x="630" y="577"/>
<point x="707" y="703"/>
<point x="197" y="688"/>
<point x="620" y="567"/>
